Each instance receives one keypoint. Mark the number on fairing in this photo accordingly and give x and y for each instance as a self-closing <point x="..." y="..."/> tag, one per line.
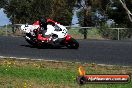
<point x="64" y="32"/>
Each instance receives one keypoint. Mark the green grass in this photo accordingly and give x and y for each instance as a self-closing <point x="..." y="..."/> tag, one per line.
<point x="49" y="74"/>
<point x="43" y="74"/>
<point x="2" y="32"/>
<point x="91" y="33"/>
<point x="75" y="33"/>
<point x="4" y="29"/>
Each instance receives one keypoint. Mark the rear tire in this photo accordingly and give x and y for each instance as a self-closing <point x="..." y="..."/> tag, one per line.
<point x="30" y="41"/>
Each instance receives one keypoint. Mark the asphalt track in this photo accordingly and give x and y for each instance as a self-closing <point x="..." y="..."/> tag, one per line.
<point x="97" y="51"/>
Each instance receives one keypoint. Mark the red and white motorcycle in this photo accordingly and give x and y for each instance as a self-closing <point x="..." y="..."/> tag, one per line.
<point x="58" y="34"/>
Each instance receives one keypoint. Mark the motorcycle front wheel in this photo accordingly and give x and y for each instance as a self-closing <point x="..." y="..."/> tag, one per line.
<point x="72" y="44"/>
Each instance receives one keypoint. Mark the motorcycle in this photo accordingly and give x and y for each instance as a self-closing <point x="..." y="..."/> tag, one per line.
<point x="57" y="33"/>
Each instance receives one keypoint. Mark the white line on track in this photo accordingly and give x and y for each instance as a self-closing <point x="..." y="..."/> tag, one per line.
<point x="57" y="61"/>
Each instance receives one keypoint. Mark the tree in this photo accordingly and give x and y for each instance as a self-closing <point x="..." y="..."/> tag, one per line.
<point x="89" y="8"/>
<point x="27" y="11"/>
<point x="62" y="11"/>
<point x="2" y="3"/>
<point x="109" y="9"/>
<point x="127" y="10"/>
<point x="85" y="15"/>
<point x="40" y="8"/>
<point x="17" y="10"/>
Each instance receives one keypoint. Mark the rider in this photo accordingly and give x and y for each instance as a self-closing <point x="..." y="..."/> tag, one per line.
<point x="43" y="22"/>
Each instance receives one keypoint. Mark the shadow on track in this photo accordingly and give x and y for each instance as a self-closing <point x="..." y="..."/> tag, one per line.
<point x="45" y="47"/>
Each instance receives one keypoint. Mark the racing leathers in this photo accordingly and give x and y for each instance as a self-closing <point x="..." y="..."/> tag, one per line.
<point x="43" y="29"/>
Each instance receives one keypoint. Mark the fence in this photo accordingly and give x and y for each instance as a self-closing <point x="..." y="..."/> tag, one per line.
<point x="76" y="32"/>
<point x="7" y="30"/>
<point x="92" y="32"/>
<point x="118" y="33"/>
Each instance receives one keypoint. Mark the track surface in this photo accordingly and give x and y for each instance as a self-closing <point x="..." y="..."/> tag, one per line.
<point x="97" y="51"/>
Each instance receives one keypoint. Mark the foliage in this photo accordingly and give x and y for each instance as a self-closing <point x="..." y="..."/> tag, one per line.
<point x="41" y="8"/>
<point x="121" y="18"/>
<point x="108" y="33"/>
<point x="104" y="31"/>
<point x="89" y="9"/>
<point x="119" y="14"/>
<point x="62" y="11"/>
<point x="108" y="10"/>
<point x="87" y="13"/>
<point x="27" y="11"/>
<point x="2" y="3"/>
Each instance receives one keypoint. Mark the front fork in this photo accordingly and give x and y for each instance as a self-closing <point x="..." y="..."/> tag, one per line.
<point x="68" y="39"/>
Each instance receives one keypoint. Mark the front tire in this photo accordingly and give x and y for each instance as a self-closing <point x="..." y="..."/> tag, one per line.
<point x="72" y="44"/>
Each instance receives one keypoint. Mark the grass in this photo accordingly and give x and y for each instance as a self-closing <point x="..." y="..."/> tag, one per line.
<point x="49" y="74"/>
<point x="91" y="33"/>
<point x="2" y="32"/>
<point x="4" y="29"/>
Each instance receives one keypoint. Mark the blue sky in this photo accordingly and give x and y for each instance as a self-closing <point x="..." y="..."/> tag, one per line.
<point x="3" y="18"/>
<point x="75" y="20"/>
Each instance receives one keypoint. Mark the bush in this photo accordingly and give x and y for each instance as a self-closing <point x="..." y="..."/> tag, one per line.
<point x="108" y="33"/>
<point x="1" y="32"/>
